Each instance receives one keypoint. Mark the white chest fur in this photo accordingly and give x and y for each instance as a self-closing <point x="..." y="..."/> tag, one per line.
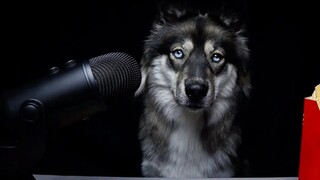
<point x="188" y="158"/>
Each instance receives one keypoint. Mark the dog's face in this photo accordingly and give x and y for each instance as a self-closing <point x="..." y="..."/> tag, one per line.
<point x="196" y="58"/>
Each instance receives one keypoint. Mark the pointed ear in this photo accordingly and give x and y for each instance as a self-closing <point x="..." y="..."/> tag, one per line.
<point x="234" y="15"/>
<point x="170" y="13"/>
<point x="233" y="21"/>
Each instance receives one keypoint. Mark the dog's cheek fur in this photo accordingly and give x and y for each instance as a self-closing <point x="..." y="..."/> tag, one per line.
<point x="159" y="70"/>
<point x="162" y="84"/>
<point x="225" y="88"/>
<point x="226" y="82"/>
<point x="161" y="74"/>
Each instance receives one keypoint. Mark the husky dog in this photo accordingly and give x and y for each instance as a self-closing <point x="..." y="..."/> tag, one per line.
<point x="194" y="77"/>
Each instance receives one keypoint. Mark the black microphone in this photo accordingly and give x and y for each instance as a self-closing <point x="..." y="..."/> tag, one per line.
<point x="73" y="92"/>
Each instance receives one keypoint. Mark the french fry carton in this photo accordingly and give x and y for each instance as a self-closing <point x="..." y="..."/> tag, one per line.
<point x="309" y="166"/>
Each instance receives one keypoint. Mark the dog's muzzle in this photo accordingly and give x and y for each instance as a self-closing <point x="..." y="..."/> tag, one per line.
<point x="196" y="91"/>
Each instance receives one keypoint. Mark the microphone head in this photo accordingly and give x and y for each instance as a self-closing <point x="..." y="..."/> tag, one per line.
<point x="117" y="75"/>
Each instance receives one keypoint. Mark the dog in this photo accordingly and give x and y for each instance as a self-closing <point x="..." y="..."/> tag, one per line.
<point x="195" y="74"/>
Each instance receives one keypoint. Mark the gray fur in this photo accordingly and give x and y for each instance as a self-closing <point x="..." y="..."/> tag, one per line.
<point x="178" y="140"/>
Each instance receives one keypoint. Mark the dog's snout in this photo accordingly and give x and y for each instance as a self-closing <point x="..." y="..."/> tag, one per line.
<point x="196" y="91"/>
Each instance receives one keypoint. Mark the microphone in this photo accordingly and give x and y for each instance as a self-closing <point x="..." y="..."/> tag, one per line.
<point x="73" y="92"/>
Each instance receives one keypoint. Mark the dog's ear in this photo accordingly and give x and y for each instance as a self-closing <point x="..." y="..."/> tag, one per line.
<point x="233" y="21"/>
<point x="230" y="19"/>
<point x="231" y="14"/>
<point x="171" y="12"/>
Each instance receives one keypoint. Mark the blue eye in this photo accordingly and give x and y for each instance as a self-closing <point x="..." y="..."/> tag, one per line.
<point x="178" y="54"/>
<point x="216" y="57"/>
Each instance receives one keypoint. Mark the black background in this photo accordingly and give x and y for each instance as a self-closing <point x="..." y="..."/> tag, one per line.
<point x="38" y="36"/>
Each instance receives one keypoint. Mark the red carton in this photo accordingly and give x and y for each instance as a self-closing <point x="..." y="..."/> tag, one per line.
<point x="309" y="167"/>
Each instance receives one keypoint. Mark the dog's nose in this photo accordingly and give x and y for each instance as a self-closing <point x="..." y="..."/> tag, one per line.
<point x="196" y="91"/>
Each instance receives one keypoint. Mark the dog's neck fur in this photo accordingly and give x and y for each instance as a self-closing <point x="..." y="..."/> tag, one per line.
<point x="185" y="143"/>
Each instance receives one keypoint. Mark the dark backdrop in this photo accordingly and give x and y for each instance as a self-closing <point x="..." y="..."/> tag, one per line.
<point x="38" y="36"/>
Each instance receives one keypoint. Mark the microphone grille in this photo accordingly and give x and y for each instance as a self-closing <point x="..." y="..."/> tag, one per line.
<point x="117" y="74"/>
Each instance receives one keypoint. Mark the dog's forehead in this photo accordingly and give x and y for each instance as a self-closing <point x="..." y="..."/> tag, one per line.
<point x="206" y="24"/>
<point x="200" y="29"/>
<point x="187" y="44"/>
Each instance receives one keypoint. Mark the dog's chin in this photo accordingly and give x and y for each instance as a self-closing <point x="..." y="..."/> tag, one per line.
<point x="192" y="107"/>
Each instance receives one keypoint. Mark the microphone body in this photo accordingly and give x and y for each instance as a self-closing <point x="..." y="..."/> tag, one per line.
<point x="71" y="93"/>
<point x="62" y="97"/>
<point x="68" y="94"/>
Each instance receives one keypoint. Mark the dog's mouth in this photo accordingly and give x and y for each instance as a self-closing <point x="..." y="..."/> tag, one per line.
<point x="193" y="106"/>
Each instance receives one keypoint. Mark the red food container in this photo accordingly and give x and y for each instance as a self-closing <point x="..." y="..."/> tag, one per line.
<point x="309" y="167"/>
